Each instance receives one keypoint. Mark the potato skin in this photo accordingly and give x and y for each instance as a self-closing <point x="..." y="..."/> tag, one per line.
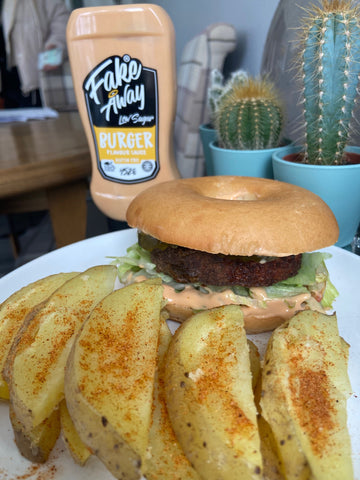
<point x="36" y="444"/>
<point x="77" y="449"/>
<point x="209" y="395"/>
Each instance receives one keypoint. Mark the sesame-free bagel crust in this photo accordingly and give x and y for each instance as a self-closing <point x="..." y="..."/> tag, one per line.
<point x="235" y="216"/>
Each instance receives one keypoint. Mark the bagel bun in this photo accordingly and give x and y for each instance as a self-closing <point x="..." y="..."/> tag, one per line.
<point x="235" y="216"/>
<point x="233" y="240"/>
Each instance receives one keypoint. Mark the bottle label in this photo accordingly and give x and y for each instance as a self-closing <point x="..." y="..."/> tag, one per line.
<point x="121" y="96"/>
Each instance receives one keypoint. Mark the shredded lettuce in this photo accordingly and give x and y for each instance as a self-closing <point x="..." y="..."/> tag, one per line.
<point x="312" y="276"/>
<point x="329" y="295"/>
<point x="138" y="262"/>
<point x="283" y="290"/>
<point x="312" y="269"/>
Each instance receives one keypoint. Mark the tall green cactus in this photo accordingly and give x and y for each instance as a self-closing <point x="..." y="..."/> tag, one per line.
<point x="249" y="116"/>
<point x="330" y="66"/>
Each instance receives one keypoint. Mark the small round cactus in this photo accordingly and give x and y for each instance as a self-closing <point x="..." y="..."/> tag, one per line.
<point x="218" y="88"/>
<point x="249" y="116"/>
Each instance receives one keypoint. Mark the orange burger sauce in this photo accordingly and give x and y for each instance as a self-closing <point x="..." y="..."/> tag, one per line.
<point x="123" y="67"/>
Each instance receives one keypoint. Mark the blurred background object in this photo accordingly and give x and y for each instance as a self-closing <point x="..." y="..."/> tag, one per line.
<point x="28" y="29"/>
<point x="57" y="88"/>
<point x="203" y="53"/>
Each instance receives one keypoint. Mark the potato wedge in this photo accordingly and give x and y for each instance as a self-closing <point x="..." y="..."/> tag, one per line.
<point x="210" y="398"/>
<point x="36" y="444"/>
<point x="255" y="364"/>
<point x="34" y="368"/>
<point x="272" y="465"/>
<point x="78" y="450"/>
<point x="14" y="310"/>
<point x="305" y="387"/>
<point x="280" y="440"/>
<point x="109" y="377"/>
<point x="165" y="459"/>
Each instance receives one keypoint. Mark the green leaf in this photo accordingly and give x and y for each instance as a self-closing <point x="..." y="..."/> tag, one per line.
<point x="310" y="278"/>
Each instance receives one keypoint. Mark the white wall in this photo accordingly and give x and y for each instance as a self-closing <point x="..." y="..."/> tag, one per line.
<point x="251" y="19"/>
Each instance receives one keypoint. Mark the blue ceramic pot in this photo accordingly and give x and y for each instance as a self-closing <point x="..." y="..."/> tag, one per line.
<point x="207" y="135"/>
<point x="247" y="163"/>
<point x="337" y="185"/>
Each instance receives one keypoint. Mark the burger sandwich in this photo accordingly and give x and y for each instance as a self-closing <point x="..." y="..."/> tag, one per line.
<point x="233" y="240"/>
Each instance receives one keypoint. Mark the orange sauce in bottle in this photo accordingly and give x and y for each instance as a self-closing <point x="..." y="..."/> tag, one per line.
<point x="123" y="67"/>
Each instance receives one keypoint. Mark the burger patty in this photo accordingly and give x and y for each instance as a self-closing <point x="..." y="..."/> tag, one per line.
<point x="193" y="266"/>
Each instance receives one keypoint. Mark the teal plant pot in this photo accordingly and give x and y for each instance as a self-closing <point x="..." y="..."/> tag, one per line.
<point x="246" y="163"/>
<point x="337" y="185"/>
<point x="207" y="135"/>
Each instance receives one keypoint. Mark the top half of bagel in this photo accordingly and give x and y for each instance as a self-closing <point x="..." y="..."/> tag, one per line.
<point x="235" y="216"/>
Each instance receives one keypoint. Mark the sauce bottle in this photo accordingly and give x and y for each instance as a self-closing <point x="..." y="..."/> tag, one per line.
<point x="123" y="67"/>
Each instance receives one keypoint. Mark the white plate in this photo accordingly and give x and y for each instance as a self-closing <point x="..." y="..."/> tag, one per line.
<point x="344" y="270"/>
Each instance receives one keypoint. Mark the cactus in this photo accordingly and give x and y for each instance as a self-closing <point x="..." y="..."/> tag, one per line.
<point x="330" y="69"/>
<point x="249" y="116"/>
<point x="218" y="88"/>
<point x="214" y="91"/>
